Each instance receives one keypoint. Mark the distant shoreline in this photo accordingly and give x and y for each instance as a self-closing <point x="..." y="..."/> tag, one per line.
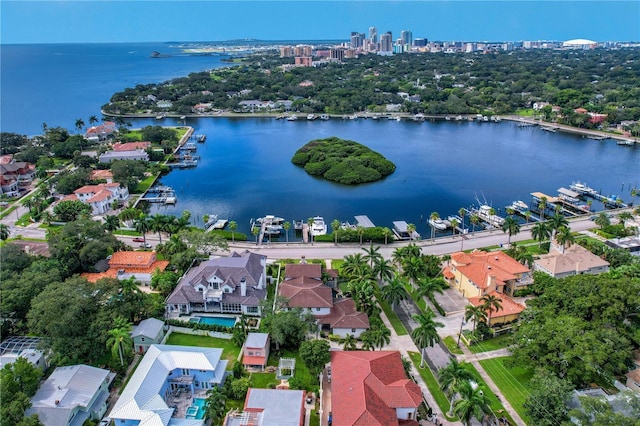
<point x="388" y="115"/>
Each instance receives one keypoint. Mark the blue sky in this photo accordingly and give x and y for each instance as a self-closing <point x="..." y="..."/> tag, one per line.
<point x="54" y="21"/>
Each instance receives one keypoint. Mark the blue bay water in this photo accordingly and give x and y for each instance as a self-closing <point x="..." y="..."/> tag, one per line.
<point x="246" y="170"/>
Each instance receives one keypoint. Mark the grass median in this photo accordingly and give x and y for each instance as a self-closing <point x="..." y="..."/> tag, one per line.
<point x="512" y="381"/>
<point x="432" y="385"/>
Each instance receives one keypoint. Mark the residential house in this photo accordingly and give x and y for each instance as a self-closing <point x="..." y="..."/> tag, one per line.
<point x="15" y="175"/>
<point x="631" y="244"/>
<point x="149" y="332"/>
<point x="509" y="312"/>
<point x="131" y="146"/>
<point x="100" y="197"/>
<point x="255" y="351"/>
<point x="166" y="385"/>
<point x="14" y="347"/>
<point x="105" y="175"/>
<point x="304" y="289"/>
<point x="202" y="107"/>
<point x="136" y="155"/>
<point x="371" y="388"/>
<point x="479" y="273"/>
<point x="235" y="284"/>
<point x="101" y="132"/>
<point x="270" y="407"/>
<point x="562" y="261"/>
<point x="71" y="395"/>
<point x="126" y="264"/>
<point x="633" y="376"/>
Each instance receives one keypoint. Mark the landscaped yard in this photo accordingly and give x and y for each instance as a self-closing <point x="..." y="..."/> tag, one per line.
<point x="452" y="345"/>
<point x="230" y="351"/>
<point x="307" y="381"/>
<point x="393" y="318"/>
<point x="512" y="381"/>
<point x="432" y="385"/>
<point x="494" y="403"/>
<point x="491" y="344"/>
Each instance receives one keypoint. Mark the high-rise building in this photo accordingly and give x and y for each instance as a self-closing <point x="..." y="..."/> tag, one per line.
<point x="386" y="42"/>
<point x="356" y="40"/>
<point x="286" y="52"/>
<point x="420" y="42"/>
<point x="298" y="50"/>
<point x="373" y="35"/>
<point x="336" y="54"/>
<point x="307" y="50"/>
<point x="407" y="37"/>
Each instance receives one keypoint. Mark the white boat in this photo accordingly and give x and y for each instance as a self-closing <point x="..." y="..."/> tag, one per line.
<point x="324" y="117"/>
<point x="318" y="227"/>
<point x="582" y="188"/>
<point x="519" y="205"/>
<point x="484" y="213"/>
<point x="419" y="117"/>
<point x="438" y="224"/>
<point x="292" y="117"/>
<point x="311" y="117"/>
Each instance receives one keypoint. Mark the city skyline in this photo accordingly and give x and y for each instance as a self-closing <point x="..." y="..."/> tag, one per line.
<point x="147" y="21"/>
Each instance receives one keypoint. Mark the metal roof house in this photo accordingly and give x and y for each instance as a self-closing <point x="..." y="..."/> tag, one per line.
<point x="148" y="332"/>
<point x="163" y="389"/>
<point x="72" y="395"/>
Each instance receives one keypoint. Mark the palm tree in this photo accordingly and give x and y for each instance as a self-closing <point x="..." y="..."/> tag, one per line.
<point x="381" y="337"/>
<point x="602" y="220"/>
<point x="255" y="231"/>
<point x="111" y="223"/>
<point x="79" y="124"/>
<point x="477" y="313"/>
<point x="157" y="223"/>
<point x="355" y="266"/>
<point x="286" y="226"/>
<point x="527" y="216"/>
<point x="360" y="230"/>
<point x="564" y="237"/>
<point x="372" y="254"/>
<point x="451" y="376"/>
<point x="335" y="226"/>
<point x="119" y="339"/>
<point x="426" y="334"/>
<point x="383" y="270"/>
<point x="427" y="287"/>
<point x="624" y="216"/>
<point x="434" y="216"/>
<point x="310" y="224"/>
<point x="472" y="403"/>
<point x="4" y="232"/>
<point x="510" y="226"/>
<point x="368" y="343"/>
<point x="216" y="401"/>
<point x="540" y="232"/>
<point x="350" y="343"/>
<point x="542" y="204"/>
<point x="411" y="229"/>
<point x="413" y="268"/>
<point x="142" y="225"/>
<point x="387" y="234"/>
<point x="233" y="225"/>
<point x="454" y="225"/>
<point x="556" y="222"/>
<point x="475" y="220"/>
<point x="491" y="303"/>
<point x="394" y="291"/>
<point x="93" y="120"/>
<point x="461" y="212"/>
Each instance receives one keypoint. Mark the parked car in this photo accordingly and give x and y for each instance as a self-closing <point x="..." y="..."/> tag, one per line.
<point x="330" y="419"/>
<point x="145" y="245"/>
<point x="138" y="240"/>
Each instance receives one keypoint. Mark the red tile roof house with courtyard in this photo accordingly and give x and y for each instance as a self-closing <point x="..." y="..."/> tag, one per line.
<point x="131" y="146"/>
<point x="101" y="132"/>
<point x="370" y="388"/>
<point x="303" y="288"/>
<point x="126" y="264"/>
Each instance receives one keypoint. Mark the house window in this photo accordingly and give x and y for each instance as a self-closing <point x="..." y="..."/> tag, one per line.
<point x="142" y="339"/>
<point x="252" y="309"/>
<point x="185" y="371"/>
<point x="318" y="309"/>
<point x="250" y="353"/>
<point x="199" y="289"/>
<point x="353" y="330"/>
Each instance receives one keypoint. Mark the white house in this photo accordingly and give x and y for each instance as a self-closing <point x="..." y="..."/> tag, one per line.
<point x="100" y="197"/>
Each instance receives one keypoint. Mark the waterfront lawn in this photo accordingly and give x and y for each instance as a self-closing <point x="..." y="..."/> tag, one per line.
<point x="230" y="351"/>
<point x="512" y="381"/>
<point x="494" y="403"/>
<point x="145" y="184"/>
<point x="432" y="385"/>
<point x="452" y="345"/>
<point x="492" y="344"/>
<point x="393" y="318"/>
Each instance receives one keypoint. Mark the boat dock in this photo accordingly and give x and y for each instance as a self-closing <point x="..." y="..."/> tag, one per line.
<point x="218" y="224"/>
<point x="364" y="221"/>
<point x="159" y="194"/>
<point x="401" y="231"/>
<point x="612" y="202"/>
<point x="460" y="227"/>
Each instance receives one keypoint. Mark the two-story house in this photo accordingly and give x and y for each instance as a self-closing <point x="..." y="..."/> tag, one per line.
<point x="100" y="197"/>
<point x="256" y="350"/>
<point x="563" y="262"/>
<point x="235" y="284"/>
<point x="15" y="175"/>
<point x="126" y="264"/>
<point x="72" y="395"/>
<point x="149" y="332"/>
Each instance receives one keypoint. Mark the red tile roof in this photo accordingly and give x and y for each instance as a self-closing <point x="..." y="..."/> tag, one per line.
<point x="509" y="306"/>
<point x="133" y="262"/>
<point x="478" y="265"/>
<point x="131" y="146"/>
<point x="367" y="387"/>
<point x="344" y="315"/>
<point x="101" y="174"/>
<point x="311" y="270"/>
<point x="303" y="294"/>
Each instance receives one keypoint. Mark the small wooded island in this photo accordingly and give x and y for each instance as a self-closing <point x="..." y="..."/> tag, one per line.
<point x="342" y="161"/>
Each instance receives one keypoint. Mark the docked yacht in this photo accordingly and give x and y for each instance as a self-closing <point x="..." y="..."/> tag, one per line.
<point x="318" y="227"/>
<point x="484" y="213"/>
<point x="324" y="117"/>
<point x="519" y="205"/>
<point x="292" y="117"/>
<point x="311" y="117"/>
<point x="438" y="224"/>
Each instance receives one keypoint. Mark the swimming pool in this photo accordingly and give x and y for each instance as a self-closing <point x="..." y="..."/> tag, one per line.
<point x="223" y="321"/>
<point x="196" y="411"/>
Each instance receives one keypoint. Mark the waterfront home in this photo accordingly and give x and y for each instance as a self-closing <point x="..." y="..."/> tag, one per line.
<point x="371" y="388"/>
<point x="101" y="132"/>
<point x="303" y="288"/>
<point x="101" y="196"/>
<point x="235" y="284"/>
<point x="149" y="332"/>
<point x="136" y="154"/>
<point x="479" y="273"/>
<point x="15" y="175"/>
<point x="71" y="395"/>
<point x="131" y="146"/>
<point x="269" y="407"/>
<point x="127" y="264"/>
<point x="563" y="262"/>
<point x="255" y="351"/>
<point x="169" y="386"/>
